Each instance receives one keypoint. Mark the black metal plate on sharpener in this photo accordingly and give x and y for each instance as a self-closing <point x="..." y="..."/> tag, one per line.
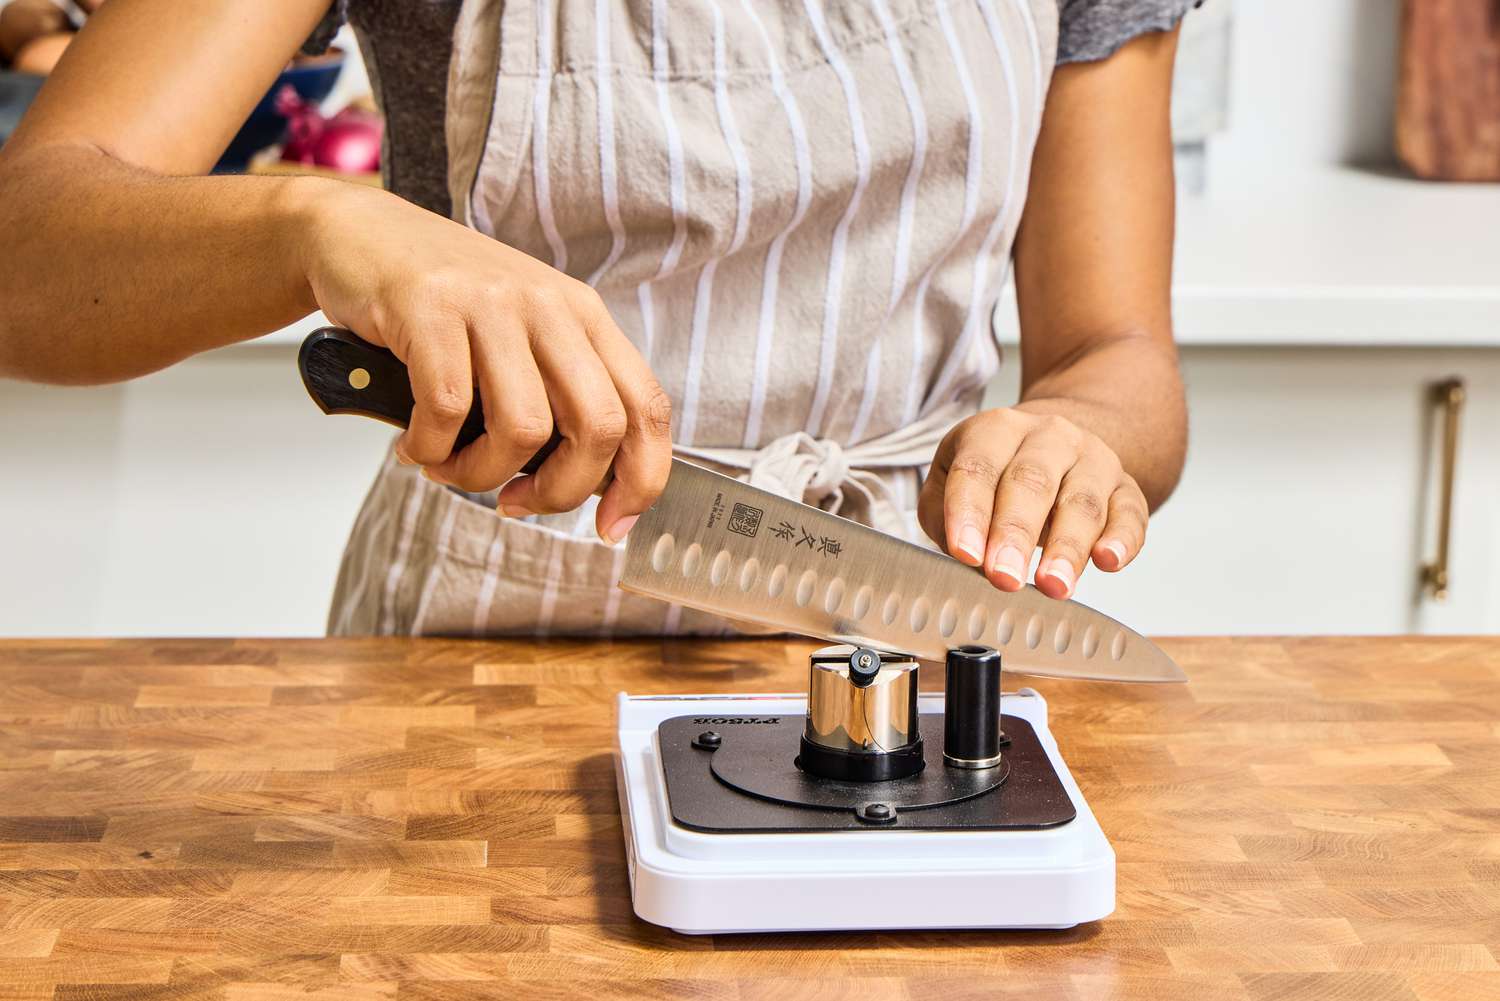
<point x="1023" y="793"/>
<point x="754" y="761"/>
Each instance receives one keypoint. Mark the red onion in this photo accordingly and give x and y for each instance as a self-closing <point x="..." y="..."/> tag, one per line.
<point x="349" y="142"/>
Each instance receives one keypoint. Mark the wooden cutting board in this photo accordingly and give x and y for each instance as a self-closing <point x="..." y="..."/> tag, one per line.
<point x="1448" y="100"/>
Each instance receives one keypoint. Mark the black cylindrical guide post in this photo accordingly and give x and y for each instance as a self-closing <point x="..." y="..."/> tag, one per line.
<point x="971" y="708"/>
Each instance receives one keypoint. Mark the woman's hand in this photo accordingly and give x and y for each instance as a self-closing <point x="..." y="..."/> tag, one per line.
<point x="461" y="310"/>
<point x="1005" y="481"/>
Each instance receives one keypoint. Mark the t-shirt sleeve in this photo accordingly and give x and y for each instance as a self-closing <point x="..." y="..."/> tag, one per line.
<point x="1095" y="29"/>
<point x="317" y="43"/>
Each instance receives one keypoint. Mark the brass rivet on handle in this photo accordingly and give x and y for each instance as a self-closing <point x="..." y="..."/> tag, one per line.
<point x="359" y="378"/>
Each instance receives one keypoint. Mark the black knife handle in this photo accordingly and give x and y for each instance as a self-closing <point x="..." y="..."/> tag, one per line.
<point x="347" y="375"/>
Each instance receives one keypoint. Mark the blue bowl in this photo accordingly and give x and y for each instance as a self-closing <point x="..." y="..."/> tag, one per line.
<point x="312" y="80"/>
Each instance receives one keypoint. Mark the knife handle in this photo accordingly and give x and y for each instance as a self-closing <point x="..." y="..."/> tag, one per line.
<point x="345" y="374"/>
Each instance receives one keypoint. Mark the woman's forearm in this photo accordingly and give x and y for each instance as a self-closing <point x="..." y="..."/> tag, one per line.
<point x="108" y="271"/>
<point x="1126" y="390"/>
<point x="1093" y="262"/>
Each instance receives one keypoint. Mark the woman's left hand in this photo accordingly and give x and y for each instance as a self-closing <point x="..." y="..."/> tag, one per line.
<point x="1005" y="481"/>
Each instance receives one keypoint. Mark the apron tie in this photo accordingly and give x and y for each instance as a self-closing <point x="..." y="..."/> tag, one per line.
<point x="801" y="466"/>
<point x="840" y="479"/>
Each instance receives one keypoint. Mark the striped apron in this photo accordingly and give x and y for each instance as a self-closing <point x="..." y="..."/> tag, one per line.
<point x="800" y="211"/>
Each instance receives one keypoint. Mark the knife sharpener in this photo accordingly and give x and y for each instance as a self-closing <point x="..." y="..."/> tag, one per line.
<point x="861" y="716"/>
<point x="731" y="826"/>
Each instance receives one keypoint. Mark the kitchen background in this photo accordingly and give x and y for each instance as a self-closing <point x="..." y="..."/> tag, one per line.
<point x="1322" y="298"/>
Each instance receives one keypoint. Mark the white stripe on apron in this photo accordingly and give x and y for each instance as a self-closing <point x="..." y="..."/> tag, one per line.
<point x="834" y="286"/>
<point x="703" y="295"/>
<point x="542" y="113"/>
<point x="997" y="227"/>
<point x="972" y="178"/>
<point x="608" y="178"/>
<point x="771" y="275"/>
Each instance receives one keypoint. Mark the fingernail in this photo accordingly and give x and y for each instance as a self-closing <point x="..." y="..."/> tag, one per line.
<point x="620" y="528"/>
<point x="971" y="544"/>
<point x="434" y="477"/>
<point x="1117" y="548"/>
<point x="1009" y="561"/>
<point x="1061" y="571"/>
<point x="403" y="458"/>
<point x="513" y="511"/>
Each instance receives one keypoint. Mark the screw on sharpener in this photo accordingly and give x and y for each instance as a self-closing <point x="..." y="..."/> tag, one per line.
<point x="876" y="813"/>
<point x="864" y="664"/>
<point x="708" y="740"/>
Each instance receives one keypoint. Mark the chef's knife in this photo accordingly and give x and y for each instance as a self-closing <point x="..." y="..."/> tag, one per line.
<point x="713" y="543"/>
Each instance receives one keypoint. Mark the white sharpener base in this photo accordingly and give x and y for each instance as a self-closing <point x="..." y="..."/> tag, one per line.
<point x="700" y="883"/>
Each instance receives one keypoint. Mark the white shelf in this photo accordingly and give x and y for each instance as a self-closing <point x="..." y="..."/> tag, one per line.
<point x="1332" y="257"/>
<point x="1336" y="257"/>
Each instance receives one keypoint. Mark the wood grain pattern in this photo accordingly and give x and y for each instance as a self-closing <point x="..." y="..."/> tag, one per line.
<point x="1448" y="97"/>
<point x="427" y="819"/>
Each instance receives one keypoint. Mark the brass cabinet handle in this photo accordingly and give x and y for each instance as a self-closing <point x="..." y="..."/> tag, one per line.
<point x="1450" y="395"/>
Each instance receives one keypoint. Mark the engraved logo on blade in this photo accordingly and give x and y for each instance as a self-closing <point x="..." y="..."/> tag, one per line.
<point x="745" y="520"/>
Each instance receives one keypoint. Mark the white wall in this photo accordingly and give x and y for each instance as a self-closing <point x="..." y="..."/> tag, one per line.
<point x="1311" y="82"/>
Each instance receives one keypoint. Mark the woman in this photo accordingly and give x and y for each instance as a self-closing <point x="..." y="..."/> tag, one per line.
<point x="770" y="233"/>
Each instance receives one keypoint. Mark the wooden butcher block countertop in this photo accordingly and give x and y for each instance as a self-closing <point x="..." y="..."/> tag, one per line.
<point x="428" y="819"/>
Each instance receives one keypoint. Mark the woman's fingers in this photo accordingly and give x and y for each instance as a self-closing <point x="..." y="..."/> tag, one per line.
<point x="958" y="500"/>
<point x="442" y="388"/>
<point x="1022" y="478"/>
<point x="1078" y="517"/>
<point x="587" y="411"/>
<point x="1028" y="488"/>
<point x="643" y="460"/>
<point x="564" y="362"/>
<point x="1124" y="529"/>
<point x="517" y="416"/>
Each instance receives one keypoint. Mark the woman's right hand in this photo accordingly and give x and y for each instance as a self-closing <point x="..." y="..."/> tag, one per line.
<point x="461" y="309"/>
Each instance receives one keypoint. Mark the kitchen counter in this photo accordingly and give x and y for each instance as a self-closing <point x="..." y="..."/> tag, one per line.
<point x="382" y="819"/>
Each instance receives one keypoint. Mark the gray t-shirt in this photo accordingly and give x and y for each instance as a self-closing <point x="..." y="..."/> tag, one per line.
<point x="406" y="45"/>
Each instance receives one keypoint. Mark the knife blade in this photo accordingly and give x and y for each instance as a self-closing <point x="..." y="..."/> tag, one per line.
<point x="722" y="546"/>
<point x="719" y="545"/>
